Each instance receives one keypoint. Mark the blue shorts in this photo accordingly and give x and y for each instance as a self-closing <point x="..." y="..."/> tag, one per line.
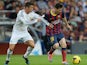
<point x="55" y="38"/>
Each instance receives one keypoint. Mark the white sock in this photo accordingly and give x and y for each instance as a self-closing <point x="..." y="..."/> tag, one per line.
<point x="28" y="51"/>
<point x="9" y="53"/>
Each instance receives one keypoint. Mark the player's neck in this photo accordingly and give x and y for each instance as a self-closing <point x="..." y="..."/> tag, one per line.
<point x="27" y="12"/>
<point x="53" y="12"/>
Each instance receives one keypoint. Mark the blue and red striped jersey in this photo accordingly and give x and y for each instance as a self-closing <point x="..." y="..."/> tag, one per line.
<point x="56" y="21"/>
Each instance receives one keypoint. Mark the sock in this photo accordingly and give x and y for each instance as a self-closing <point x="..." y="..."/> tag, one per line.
<point x="64" y="54"/>
<point x="9" y="53"/>
<point x="51" y="50"/>
<point x="28" y="51"/>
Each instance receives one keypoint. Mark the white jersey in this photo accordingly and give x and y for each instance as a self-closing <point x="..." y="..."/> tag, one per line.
<point x="23" y="20"/>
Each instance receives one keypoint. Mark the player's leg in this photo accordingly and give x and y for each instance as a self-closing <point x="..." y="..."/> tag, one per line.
<point x="31" y="45"/>
<point x="13" y="41"/>
<point x="64" y="51"/>
<point x="50" y="53"/>
<point x="61" y="40"/>
<point x="30" y="42"/>
<point x="55" y="45"/>
<point x="9" y="53"/>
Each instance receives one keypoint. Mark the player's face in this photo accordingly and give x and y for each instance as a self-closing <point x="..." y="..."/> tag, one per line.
<point x="30" y="8"/>
<point x="58" y="10"/>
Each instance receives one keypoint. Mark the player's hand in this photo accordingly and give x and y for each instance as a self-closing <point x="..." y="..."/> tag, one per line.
<point x="51" y="25"/>
<point x="39" y="20"/>
<point x="69" y="27"/>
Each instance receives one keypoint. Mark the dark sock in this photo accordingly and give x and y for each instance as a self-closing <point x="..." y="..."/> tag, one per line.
<point x="51" y="50"/>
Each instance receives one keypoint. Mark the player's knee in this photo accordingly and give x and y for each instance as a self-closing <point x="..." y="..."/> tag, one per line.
<point x="11" y="49"/>
<point x="56" y="45"/>
<point x="33" y="46"/>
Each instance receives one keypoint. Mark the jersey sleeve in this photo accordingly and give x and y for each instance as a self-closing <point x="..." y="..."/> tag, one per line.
<point x="42" y="18"/>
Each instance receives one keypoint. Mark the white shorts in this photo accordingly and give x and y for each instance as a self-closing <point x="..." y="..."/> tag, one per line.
<point x="24" y="36"/>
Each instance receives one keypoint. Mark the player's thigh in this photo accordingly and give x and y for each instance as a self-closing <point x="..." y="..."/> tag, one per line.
<point x="13" y="41"/>
<point x="56" y="44"/>
<point x="63" y="43"/>
<point x="52" y="40"/>
<point x="14" y="38"/>
<point x="28" y="40"/>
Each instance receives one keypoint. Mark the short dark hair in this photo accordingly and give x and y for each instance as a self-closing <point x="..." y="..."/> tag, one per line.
<point x="28" y="4"/>
<point x="58" y="5"/>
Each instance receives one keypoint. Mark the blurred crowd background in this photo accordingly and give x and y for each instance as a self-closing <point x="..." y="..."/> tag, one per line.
<point x="75" y="12"/>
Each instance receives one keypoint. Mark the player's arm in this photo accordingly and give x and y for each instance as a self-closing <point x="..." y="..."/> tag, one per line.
<point x="21" y="17"/>
<point x="46" y="22"/>
<point x="72" y="11"/>
<point x="66" y="22"/>
<point x="43" y="20"/>
<point x="28" y="22"/>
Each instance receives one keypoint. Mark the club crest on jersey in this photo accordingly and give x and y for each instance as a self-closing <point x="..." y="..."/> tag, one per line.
<point x="31" y="18"/>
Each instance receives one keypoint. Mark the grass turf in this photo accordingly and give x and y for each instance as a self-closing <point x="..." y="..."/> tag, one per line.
<point x="41" y="60"/>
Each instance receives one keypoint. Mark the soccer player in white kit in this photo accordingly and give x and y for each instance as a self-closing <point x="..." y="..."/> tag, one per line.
<point x="24" y="18"/>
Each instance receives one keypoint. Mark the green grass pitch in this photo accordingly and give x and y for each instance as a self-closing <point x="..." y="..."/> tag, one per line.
<point x="41" y="60"/>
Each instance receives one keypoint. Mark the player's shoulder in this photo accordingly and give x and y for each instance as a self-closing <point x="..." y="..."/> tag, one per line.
<point x="20" y="13"/>
<point x="32" y="13"/>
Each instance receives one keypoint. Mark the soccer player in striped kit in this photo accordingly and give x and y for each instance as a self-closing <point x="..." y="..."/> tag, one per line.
<point x="55" y="35"/>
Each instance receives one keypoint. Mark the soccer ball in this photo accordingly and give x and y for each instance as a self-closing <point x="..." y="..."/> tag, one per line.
<point x="76" y="59"/>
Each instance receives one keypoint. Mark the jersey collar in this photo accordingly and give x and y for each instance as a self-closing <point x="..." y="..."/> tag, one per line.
<point x="52" y="13"/>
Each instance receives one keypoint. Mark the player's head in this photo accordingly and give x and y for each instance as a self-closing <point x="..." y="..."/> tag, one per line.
<point x="29" y="7"/>
<point x="58" y="7"/>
